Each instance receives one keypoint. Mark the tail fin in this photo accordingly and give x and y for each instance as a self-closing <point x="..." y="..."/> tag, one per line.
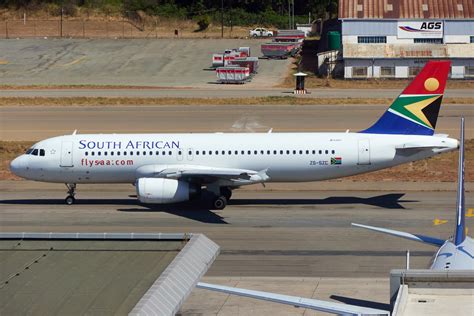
<point x="415" y="111"/>
<point x="460" y="233"/>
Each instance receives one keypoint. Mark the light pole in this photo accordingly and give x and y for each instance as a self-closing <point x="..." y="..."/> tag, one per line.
<point x="222" y="18"/>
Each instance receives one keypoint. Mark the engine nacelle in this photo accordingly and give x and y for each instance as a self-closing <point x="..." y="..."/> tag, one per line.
<point x="161" y="190"/>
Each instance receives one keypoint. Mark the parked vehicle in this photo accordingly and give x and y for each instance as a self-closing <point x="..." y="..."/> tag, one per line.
<point x="260" y="32"/>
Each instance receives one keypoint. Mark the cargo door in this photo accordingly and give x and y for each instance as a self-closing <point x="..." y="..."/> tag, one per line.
<point x="66" y="154"/>
<point x="364" y="152"/>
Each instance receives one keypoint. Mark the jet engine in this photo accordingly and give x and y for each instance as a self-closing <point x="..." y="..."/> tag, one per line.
<point x="162" y="191"/>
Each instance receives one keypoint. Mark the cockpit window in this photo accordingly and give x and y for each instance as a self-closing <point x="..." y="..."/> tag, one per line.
<point x="42" y="152"/>
<point x="35" y="152"/>
<point x="28" y="152"/>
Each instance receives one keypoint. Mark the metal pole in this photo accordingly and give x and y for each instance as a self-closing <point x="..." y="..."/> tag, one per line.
<point x="6" y="29"/>
<point x="222" y="18"/>
<point x="289" y="15"/>
<point x="83" y="29"/>
<point x="408" y="260"/>
<point x="61" y="24"/>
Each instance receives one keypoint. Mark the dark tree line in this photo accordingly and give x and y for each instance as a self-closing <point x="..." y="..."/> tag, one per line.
<point x="236" y="12"/>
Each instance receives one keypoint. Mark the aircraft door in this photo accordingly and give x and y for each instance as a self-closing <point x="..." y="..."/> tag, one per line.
<point x="364" y="152"/>
<point x="190" y="154"/>
<point x="66" y="154"/>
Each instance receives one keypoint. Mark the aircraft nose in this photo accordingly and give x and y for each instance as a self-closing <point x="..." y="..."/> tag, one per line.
<point x="18" y="165"/>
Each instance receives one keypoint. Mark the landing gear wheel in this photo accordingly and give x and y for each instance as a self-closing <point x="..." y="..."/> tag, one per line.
<point x="220" y="203"/>
<point x="70" y="200"/>
<point x="71" y="191"/>
<point x="226" y="192"/>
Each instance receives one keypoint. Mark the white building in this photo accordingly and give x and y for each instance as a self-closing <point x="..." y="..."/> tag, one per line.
<point x="395" y="38"/>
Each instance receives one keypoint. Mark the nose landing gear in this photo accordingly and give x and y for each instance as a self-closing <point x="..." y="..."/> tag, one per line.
<point x="71" y="191"/>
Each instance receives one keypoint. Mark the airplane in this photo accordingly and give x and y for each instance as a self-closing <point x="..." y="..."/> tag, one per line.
<point x="455" y="253"/>
<point x="171" y="168"/>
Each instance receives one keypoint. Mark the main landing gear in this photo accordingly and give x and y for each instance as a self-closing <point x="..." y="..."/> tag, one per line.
<point x="71" y="191"/>
<point x="220" y="202"/>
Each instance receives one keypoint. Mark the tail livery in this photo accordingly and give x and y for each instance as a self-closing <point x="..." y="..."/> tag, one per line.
<point x="415" y="111"/>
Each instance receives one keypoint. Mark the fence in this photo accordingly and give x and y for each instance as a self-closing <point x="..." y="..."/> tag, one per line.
<point x="73" y="29"/>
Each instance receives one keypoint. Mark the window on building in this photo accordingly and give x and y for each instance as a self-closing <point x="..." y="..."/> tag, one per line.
<point x="371" y="39"/>
<point x="428" y="40"/>
<point x="359" y="72"/>
<point x="387" y="71"/>
<point x="413" y="71"/>
<point x="469" y="71"/>
<point x="472" y="39"/>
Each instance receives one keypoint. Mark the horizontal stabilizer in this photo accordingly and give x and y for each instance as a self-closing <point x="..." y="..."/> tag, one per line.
<point x="420" y="146"/>
<point x="323" y="306"/>
<point x="420" y="238"/>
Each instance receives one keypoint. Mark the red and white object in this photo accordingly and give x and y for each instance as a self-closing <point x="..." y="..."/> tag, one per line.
<point x="232" y="74"/>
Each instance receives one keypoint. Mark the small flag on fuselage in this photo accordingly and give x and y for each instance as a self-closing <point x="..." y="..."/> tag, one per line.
<point x="336" y="161"/>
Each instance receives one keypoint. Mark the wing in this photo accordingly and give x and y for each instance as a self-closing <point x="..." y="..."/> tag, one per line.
<point x="323" y="306"/>
<point x="203" y="174"/>
<point x="415" y="237"/>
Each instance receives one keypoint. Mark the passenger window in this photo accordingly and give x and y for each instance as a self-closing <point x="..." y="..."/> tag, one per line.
<point x="268" y="152"/>
<point x="230" y="152"/>
<point x="138" y="153"/>
<point x="242" y="152"/>
<point x="144" y="153"/>
<point x="92" y="153"/>
<point x="236" y="152"/>
<point x="223" y="152"/>
<point x="190" y="152"/>
<point x="157" y="153"/>
<point x="197" y="152"/>
<point x="249" y="152"/>
<point x="274" y="152"/>
<point x="217" y="152"/>
<point x="42" y="152"/>
<point x="262" y="152"/>
<point x="151" y="153"/>
<point x="255" y="152"/>
<point x="170" y="152"/>
<point x="111" y="153"/>
<point x="163" y="153"/>
<point x="314" y="151"/>
<point x="86" y="153"/>
<point x="294" y="152"/>
<point x="210" y="152"/>
<point x="131" y="153"/>
<point x="98" y="153"/>
<point x="118" y="153"/>
<point x="301" y="152"/>
<point x="287" y="152"/>
<point x="105" y="153"/>
<point x="333" y="152"/>
<point x="281" y="152"/>
<point x="179" y="152"/>
<point x="326" y="151"/>
<point x="320" y="152"/>
<point x="307" y="152"/>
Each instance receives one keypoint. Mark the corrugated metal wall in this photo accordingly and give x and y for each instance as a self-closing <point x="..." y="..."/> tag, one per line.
<point x="389" y="27"/>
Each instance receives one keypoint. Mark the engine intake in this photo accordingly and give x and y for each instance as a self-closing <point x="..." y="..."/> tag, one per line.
<point x="162" y="191"/>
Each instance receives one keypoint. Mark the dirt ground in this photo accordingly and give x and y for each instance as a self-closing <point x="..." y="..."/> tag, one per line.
<point x="442" y="168"/>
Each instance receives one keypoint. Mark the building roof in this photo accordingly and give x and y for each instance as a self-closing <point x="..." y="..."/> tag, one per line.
<point x="406" y="9"/>
<point x="100" y="273"/>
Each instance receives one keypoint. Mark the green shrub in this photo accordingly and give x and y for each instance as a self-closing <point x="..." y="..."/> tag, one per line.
<point x="203" y="22"/>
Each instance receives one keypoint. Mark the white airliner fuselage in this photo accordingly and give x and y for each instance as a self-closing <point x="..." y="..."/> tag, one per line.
<point x="282" y="157"/>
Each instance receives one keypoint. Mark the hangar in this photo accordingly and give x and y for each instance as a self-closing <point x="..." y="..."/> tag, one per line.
<point x="395" y="38"/>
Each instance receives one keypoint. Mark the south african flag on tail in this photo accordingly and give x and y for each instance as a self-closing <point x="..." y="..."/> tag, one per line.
<point x="415" y="111"/>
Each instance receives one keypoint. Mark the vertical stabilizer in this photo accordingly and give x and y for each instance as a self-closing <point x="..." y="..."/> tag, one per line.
<point x="460" y="233"/>
<point x="416" y="109"/>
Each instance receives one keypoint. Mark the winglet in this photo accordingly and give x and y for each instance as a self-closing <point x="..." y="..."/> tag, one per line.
<point x="460" y="233"/>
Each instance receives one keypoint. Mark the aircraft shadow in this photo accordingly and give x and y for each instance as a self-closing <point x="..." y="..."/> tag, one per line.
<point x="194" y="210"/>
<point x="388" y="201"/>
<point x="361" y="303"/>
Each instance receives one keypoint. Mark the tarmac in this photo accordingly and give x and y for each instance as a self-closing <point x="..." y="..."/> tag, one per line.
<point x="138" y="62"/>
<point x="39" y="122"/>
<point x="295" y="241"/>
